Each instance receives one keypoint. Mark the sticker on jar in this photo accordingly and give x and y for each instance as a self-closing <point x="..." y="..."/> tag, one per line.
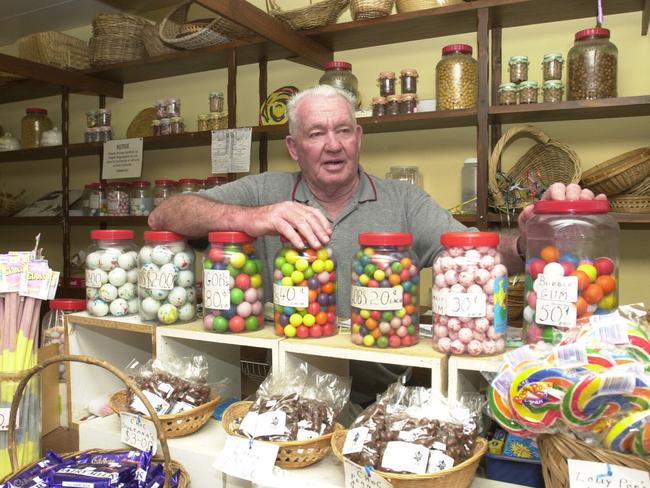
<point x="499" y="300"/>
<point x="465" y="304"/>
<point x="377" y="298"/>
<point x="558" y="314"/>
<point x="405" y="456"/>
<point x="155" y="279"/>
<point x="216" y="289"/>
<point x="354" y="440"/>
<point x="291" y="296"/>
<point x="94" y="278"/>
<point x="557" y="288"/>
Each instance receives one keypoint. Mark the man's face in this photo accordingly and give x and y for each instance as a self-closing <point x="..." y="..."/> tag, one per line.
<point x="326" y="143"/>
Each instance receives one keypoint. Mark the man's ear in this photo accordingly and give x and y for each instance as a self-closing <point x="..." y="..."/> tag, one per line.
<point x="291" y="147"/>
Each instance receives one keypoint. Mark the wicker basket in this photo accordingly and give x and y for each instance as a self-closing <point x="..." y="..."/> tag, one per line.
<point x="639" y="204"/>
<point x="557" y="448"/>
<point x="313" y="15"/>
<point x="153" y="44"/>
<point x="118" y="24"/>
<point x="170" y="465"/>
<point x="642" y="188"/>
<point x="177" y="425"/>
<point x="413" y="5"/>
<point x="11" y="203"/>
<point x="459" y="476"/>
<point x="292" y="454"/>
<point x="111" y="49"/>
<point x="620" y="173"/>
<point x="549" y="160"/>
<point x="516" y="286"/>
<point x="370" y="9"/>
<point x="55" y="49"/>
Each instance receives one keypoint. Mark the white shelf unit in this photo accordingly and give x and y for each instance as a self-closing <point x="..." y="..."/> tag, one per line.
<point x="465" y="373"/>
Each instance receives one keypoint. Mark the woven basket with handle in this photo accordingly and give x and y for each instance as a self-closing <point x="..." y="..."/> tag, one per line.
<point x="548" y="160"/>
<point x="170" y="466"/>
<point x="153" y="44"/>
<point x="459" y="476"/>
<point x="370" y="9"/>
<point x="619" y="173"/>
<point x="56" y="49"/>
<point x="313" y="15"/>
<point x="292" y="454"/>
<point x="413" y="5"/>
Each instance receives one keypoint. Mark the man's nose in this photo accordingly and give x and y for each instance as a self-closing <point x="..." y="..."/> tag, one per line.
<point x="332" y="142"/>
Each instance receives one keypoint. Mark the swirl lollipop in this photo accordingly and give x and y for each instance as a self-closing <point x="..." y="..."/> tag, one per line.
<point x="502" y="413"/>
<point x="631" y="434"/>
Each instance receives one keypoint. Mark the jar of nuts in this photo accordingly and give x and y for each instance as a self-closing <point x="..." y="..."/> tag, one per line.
<point x="409" y="79"/>
<point x="378" y="106"/>
<point x="456" y="78"/>
<point x="392" y="104"/>
<point x="386" y="83"/>
<point x="553" y="91"/>
<point x="592" y="65"/>
<point x="408" y="103"/>
<point x="518" y="69"/>
<point x="528" y="92"/>
<point x="507" y="94"/>
<point x="33" y="124"/>
<point x="552" y="66"/>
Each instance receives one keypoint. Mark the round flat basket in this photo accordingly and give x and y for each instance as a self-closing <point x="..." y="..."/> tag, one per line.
<point x="177" y="31"/>
<point x="413" y="5"/>
<point x="140" y="126"/>
<point x="642" y="188"/>
<point x="638" y="204"/>
<point x="292" y="454"/>
<point x="176" y="425"/>
<point x="313" y="15"/>
<point x="370" y="9"/>
<point x="619" y="173"/>
<point x="153" y="44"/>
<point x="459" y="476"/>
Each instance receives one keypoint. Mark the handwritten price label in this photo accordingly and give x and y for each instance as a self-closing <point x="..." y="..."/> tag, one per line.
<point x="138" y="432"/>
<point x="216" y="289"/>
<point x="93" y="278"/>
<point x="358" y="477"/>
<point x="247" y="459"/>
<point x="466" y="304"/>
<point x="154" y="279"/>
<point x="4" y="418"/>
<point x="587" y="474"/>
<point x="558" y="288"/>
<point x="377" y="298"/>
<point x="291" y="296"/>
<point x="558" y="314"/>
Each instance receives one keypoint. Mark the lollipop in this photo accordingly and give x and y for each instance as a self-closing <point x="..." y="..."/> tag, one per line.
<point x="639" y="345"/>
<point x="631" y="434"/>
<point x="502" y="413"/>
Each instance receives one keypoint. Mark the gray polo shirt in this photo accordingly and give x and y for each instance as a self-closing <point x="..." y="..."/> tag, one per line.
<point x="378" y="206"/>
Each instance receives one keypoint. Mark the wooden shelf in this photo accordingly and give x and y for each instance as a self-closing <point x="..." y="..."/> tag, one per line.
<point x="467" y="219"/>
<point x="33" y="154"/>
<point x="571" y="110"/>
<point x="96" y="221"/>
<point x="31" y="221"/>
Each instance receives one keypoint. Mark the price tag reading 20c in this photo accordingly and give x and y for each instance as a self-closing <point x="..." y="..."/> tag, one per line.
<point x="216" y="289"/>
<point x="377" y="298"/>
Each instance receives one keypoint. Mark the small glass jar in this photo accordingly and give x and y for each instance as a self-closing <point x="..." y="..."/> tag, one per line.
<point x="165" y="127"/>
<point x="111" y="274"/>
<point x="470" y="287"/>
<point x="392" y="104"/>
<point x="85" y="198"/>
<point x="176" y="125"/>
<point x="528" y="92"/>
<point x="141" y="198"/>
<point x="216" y="101"/>
<point x="572" y="250"/>
<point x="92" y="135"/>
<point x="166" y="280"/>
<point x="592" y="66"/>
<point x="408" y="174"/>
<point x="552" y="66"/>
<point x="218" y="121"/>
<point x="33" y="124"/>
<point x="97" y="204"/>
<point x="203" y="122"/>
<point x="304" y="292"/>
<point x="339" y="75"/>
<point x="163" y="189"/>
<point x="518" y="69"/>
<point x="233" y="295"/>
<point x="553" y="90"/>
<point x="378" y="106"/>
<point x="103" y="117"/>
<point x="385" y="290"/>
<point x="456" y="78"/>
<point x="155" y="127"/>
<point x="161" y="110"/>
<point x="409" y="80"/>
<point x="117" y="199"/>
<point x="213" y="181"/>
<point x="508" y="94"/>
<point x="386" y="83"/>
<point x="91" y="119"/>
<point x="188" y="185"/>
<point x="408" y="104"/>
<point x="173" y="107"/>
<point x="105" y="133"/>
<point x="53" y="325"/>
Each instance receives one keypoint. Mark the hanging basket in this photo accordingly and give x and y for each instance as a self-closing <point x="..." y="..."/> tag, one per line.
<point x="619" y="173"/>
<point x="548" y="160"/>
<point x="370" y="9"/>
<point x="55" y="49"/>
<point x="313" y="15"/>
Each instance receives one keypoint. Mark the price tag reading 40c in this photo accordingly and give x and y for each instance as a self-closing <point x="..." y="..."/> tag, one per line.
<point x="216" y="289"/>
<point x="377" y="298"/>
<point x="291" y="296"/>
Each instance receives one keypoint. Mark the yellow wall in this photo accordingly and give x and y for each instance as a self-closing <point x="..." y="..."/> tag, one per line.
<point x="439" y="153"/>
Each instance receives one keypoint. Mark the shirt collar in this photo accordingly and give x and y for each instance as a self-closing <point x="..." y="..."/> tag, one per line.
<point x="366" y="192"/>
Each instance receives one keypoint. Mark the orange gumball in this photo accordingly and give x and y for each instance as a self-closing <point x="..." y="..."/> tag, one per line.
<point x="313" y="296"/>
<point x="550" y="254"/>
<point x="372" y="324"/>
<point x="321" y="318"/>
<point x="607" y="283"/>
<point x="593" y="293"/>
<point x="581" y="307"/>
<point x="394" y="279"/>
<point x="327" y="288"/>
<point x="279" y="330"/>
<point x="583" y="279"/>
<point x="376" y="333"/>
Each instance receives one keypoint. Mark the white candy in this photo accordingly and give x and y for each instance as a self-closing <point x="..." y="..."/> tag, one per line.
<point x="182" y="260"/>
<point x="119" y="307"/>
<point x="127" y="260"/>
<point x="108" y="260"/>
<point x="92" y="293"/>
<point x="169" y="269"/>
<point x="159" y="294"/>
<point x="185" y="278"/>
<point x="187" y="312"/>
<point x="149" y="308"/>
<point x="133" y="305"/>
<point x="161" y="255"/>
<point x="92" y="260"/>
<point x="127" y="291"/>
<point x="191" y="294"/>
<point x="117" y="277"/>
<point x="132" y="276"/>
<point x="108" y="292"/>
<point x="144" y="256"/>
<point x="553" y="269"/>
<point x="98" y="308"/>
<point x="178" y="296"/>
<point x="167" y="314"/>
<point x="529" y="314"/>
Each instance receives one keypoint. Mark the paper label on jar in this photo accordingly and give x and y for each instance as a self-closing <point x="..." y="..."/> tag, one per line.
<point x="377" y="298"/>
<point x="499" y="300"/>
<point x="93" y="278"/>
<point x="216" y="289"/>
<point x="557" y="288"/>
<point x="556" y="313"/>
<point x="354" y="440"/>
<point x="291" y="296"/>
<point x="153" y="279"/>
<point x="405" y="456"/>
<point x="465" y="304"/>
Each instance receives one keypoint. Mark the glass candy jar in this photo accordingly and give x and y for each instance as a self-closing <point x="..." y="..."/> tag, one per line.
<point x="592" y="66"/>
<point x="409" y="80"/>
<point x="386" y="83"/>
<point x="213" y="181"/>
<point x="528" y="92"/>
<point x="216" y="101"/>
<point x="392" y="104"/>
<point x="233" y="296"/>
<point x="385" y="290"/>
<point x="456" y="78"/>
<point x="304" y="292"/>
<point x="552" y="66"/>
<point x="408" y="104"/>
<point x="572" y="250"/>
<point x="163" y="189"/>
<point x="166" y="280"/>
<point x="378" y="106"/>
<point x="188" y="185"/>
<point x="507" y="94"/>
<point x="553" y="90"/>
<point x="53" y="325"/>
<point x="518" y="67"/>
<point x="33" y="124"/>
<point x="97" y="204"/>
<point x="470" y="288"/>
<point x="117" y="199"/>
<point x="339" y="75"/>
<point x="111" y="274"/>
<point x="141" y="198"/>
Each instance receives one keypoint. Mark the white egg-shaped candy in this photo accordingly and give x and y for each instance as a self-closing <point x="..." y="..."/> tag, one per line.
<point x="149" y="308"/>
<point x="127" y="291"/>
<point x="133" y="305"/>
<point x="98" y="308"/>
<point x="185" y="278"/>
<point x="92" y="260"/>
<point x="144" y="256"/>
<point x="176" y="246"/>
<point x="108" y="260"/>
<point x="191" y="294"/>
<point x="132" y="275"/>
<point x="167" y="314"/>
<point x="553" y="269"/>
<point x="108" y="292"/>
<point x="161" y="255"/>
<point x="92" y="293"/>
<point x="178" y="296"/>
<point x="158" y="294"/>
<point x="187" y="312"/>
<point x="169" y="272"/>
<point x="127" y="261"/>
<point x="182" y="260"/>
<point x="119" y="307"/>
<point x="117" y="277"/>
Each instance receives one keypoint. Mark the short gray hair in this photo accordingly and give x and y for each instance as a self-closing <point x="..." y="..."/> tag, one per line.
<point x="326" y="91"/>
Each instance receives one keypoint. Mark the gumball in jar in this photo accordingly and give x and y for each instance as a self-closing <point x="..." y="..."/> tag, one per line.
<point x="384" y="295"/>
<point x="304" y="292"/>
<point x="469" y="295"/>
<point x="233" y="297"/>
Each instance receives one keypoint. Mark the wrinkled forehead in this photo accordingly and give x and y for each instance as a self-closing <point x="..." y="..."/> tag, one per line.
<point x="323" y="112"/>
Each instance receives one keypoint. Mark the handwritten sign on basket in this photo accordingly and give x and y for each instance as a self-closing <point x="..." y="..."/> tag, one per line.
<point x="588" y="474"/>
<point x="358" y="477"/>
<point x="138" y="432"/>
<point x="247" y="459"/>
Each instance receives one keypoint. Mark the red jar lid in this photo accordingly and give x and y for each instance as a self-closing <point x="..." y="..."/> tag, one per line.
<point x="119" y="183"/>
<point x="592" y="32"/>
<point x="108" y="235"/>
<point x="165" y="182"/>
<point x="140" y="183"/>
<point x="457" y="48"/>
<point x="90" y="186"/>
<point x="68" y="304"/>
<point x="162" y="236"/>
<point x="456" y="239"/>
<point x="189" y="180"/>
<point x="338" y="65"/>
<point x="572" y="207"/>
<point x="230" y="236"/>
<point x="385" y="238"/>
<point x="216" y="179"/>
<point x="34" y="110"/>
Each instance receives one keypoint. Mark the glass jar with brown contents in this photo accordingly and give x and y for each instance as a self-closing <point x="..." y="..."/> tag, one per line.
<point x="378" y="106"/>
<point x="387" y="83"/>
<point x="518" y="69"/>
<point x="33" y="124"/>
<point x="392" y="104"/>
<point x="553" y="90"/>
<point x="552" y="66"/>
<point x="456" y="78"/>
<point x="507" y="94"/>
<point x="592" y="65"/>
<point x="408" y="104"/>
<point x="409" y="80"/>
<point x="528" y="92"/>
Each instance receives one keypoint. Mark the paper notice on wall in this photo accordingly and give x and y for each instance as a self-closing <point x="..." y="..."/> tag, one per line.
<point x="122" y="158"/>
<point x="231" y="150"/>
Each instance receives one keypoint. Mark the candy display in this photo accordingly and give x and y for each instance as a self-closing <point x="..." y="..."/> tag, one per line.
<point x="32" y="125"/>
<point x="456" y="78"/>
<point x="571" y="266"/>
<point x="117" y="198"/>
<point x="408" y="104"/>
<point x="553" y="90"/>
<point x="528" y="92"/>
<point x="507" y="94"/>
<point x="304" y="292"/>
<point x="386" y="82"/>
<point x="469" y="295"/>
<point x="111" y="274"/>
<point x="232" y="284"/>
<point x="163" y="189"/>
<point x="409" y="80"/>
<point x="188" y="185"/>
<point x="166" y="280"/>
<point x="52" y="327"/>
<point x="592" y="65"/>
<point x="392" y="104"/>
<point x="216" y="101"/>
<point x="339" y="75"/>
<point x="385" y="290"/>
<point x="378" y="106"/>
<point x="518" y="67"/>
<point x="97" y="206"/>
<point x="552" y="66"/>
<point x="140" y="198"/>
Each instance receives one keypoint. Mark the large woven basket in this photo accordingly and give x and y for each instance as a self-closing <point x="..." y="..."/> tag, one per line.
<point x="313" y="15"/>
<point x="548" y="160"/>
<point x="619" y="173"/>
<point x="459" y="476"/>
<point x="370" y="9"/>
<point x="642" y="188"/>
<point x="153" y="44"/>
<point x="111" y="49"/>
<point x="557" y="448"/>
<point x="516" y="286"/>
<point x="292" y="454"/>
<point x="55" y="49"/>
<point x="176" y="425"/>
<point x="118" y="24"/>
<point x="413" y="5"/>
<point x="639" y="204"/>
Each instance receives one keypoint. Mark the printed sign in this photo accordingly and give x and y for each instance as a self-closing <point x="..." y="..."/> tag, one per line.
<point x="122" y="158"/>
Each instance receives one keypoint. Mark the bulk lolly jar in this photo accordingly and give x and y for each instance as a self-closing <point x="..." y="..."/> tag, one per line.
<point x="304" y="292"/>
<point x="52" y="327"/>
<point x="166" y="280"/>
<point x="571" y="266"/>
<point x="111" y="273"/>
<point x="232" y="284"/>
<point x="469" y="295"/>
<point x="384" y="295"/>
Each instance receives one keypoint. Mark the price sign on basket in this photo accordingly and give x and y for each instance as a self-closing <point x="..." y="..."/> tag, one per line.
<point x="138" y="432"/>
<point x="247" y="459"/>
<point x="4" y="418"/>
<point x="358" y="477"/>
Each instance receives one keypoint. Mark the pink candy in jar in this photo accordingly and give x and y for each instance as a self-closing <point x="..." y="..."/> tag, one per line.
<point x="469" y="295"/>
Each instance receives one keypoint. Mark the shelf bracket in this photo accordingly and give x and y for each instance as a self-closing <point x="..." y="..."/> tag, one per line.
<point x="645" y="17"/>
<point x="255" y="19"/>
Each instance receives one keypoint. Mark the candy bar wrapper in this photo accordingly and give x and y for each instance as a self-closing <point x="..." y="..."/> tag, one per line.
<point x="156" y="478"/>
<point x="98" y="476"/>
<point x="141" y="461"/>
<point x="34" y="473"/>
